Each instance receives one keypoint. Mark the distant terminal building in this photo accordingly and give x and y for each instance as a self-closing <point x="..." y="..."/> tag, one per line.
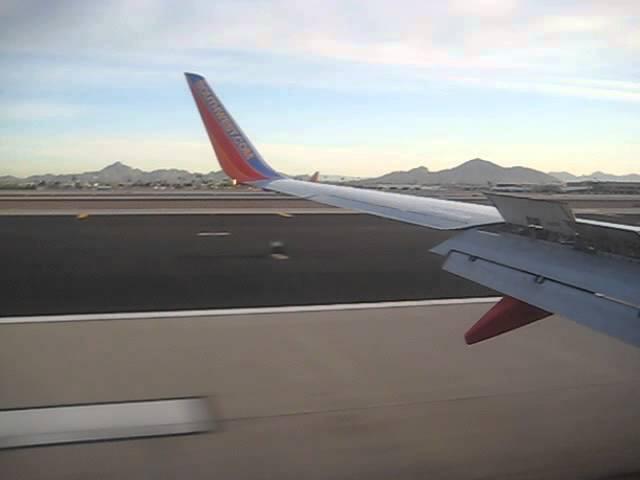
<point x="511" y="187"/>
<point x="525" y="187"/>
<point x="594" y="186"/>
<point x="398" y="186"/>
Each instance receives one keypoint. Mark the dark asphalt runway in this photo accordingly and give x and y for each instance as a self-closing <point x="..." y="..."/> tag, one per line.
<point x="59" y="264"/>
<point x="195" y="202"/>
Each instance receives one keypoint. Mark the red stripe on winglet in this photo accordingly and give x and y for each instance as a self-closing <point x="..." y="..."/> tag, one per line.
<point x="228" y="156"/>
<point x="506" y="315"/>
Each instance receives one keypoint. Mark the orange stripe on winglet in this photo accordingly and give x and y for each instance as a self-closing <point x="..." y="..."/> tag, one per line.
<point x="228" y="156"/>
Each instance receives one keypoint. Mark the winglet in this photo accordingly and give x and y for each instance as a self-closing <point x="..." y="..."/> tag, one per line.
<point x="314" y="178"/>
<point x="237" y="156"/>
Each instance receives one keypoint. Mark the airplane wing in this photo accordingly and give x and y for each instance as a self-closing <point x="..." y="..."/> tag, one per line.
<point x="535" y="251"/>
<point x="240" y="160"/>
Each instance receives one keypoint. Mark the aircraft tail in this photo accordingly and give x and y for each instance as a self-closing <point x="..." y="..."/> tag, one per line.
<point x="237" y="156"/>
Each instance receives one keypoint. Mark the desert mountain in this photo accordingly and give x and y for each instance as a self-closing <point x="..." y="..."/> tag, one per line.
<point x="596" y="176"/>
<point x="119" y="173"/>
<point x="473" y="172"/>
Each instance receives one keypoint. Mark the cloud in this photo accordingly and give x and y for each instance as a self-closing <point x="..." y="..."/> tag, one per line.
<point x="31" y="110"/>
<point x="97" y="43"/>
<point x="408" y="32"/>
<point x="591" y="89"/>
<point x="565" y="24"/>
<point x="484" y="8"/>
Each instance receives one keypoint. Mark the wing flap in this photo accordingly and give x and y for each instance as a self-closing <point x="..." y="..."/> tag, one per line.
<point x="607" y="275"/>
<point x="579" y="287"/>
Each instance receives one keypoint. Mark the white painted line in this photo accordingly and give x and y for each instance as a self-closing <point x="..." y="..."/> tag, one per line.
<point x="103" y="421"/>
<point x="174" y="211"/>
<point x="213" y="234"/>
<point x="153" y="197"/>
<point x="279" y="256"/>
<point x="224" y="312"/>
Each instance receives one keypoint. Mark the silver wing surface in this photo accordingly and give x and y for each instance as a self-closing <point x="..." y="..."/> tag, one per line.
<point x="427" y="212"/>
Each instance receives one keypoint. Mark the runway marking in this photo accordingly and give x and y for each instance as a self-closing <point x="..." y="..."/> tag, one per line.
<point x="279" y="256"/>
<point x="49" y="425"/>
<point x="17" y="212"/>
<point x="213" y="234"/>
<point x="225" y="312"/>
<point x="285" y="214"/>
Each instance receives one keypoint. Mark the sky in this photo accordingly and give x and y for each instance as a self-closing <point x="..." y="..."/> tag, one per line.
<point x="344" y="87"/>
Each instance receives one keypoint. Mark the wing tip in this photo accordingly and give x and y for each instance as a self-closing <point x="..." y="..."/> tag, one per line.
<point x="193" y="77"/>
<point x="237" y="156"/>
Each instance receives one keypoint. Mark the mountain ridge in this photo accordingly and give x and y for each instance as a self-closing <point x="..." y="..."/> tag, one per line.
<point x="118" y="172"/>
<point x="597" y="176"/>
<point x="472" y="172"/>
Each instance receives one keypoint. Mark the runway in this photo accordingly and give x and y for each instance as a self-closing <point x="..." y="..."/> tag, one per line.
<point x="322" y="388"/>
<point x="611" y="208"/>
<point x="343" y="394"/>
<point x="196" y="204"/>
<point x="57" y="264"/>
